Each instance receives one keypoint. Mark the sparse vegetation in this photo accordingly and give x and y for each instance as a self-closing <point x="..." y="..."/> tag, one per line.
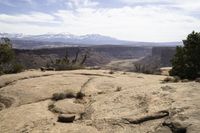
<point x="58" y="96"/>
<point x="142" y="68"/>
<point x="118" y="88"/>
<point x="80" y="95"/>
<point x="171" y="79"/>
<point x="185" y="80"/>
<point x="186" y="63"/>
<point x="66" y="63"/>
<point x="111" y="72"/>
<point x="68" y="94"/>
<point x="166" y="88"/>
<point x="63" y="95"/>
<point x="51" y="107"/>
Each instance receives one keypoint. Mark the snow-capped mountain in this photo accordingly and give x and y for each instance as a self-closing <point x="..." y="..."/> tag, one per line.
<point x="16" y="35"/>
<point x="65" y="38"/>
<point x="22" y="41"/>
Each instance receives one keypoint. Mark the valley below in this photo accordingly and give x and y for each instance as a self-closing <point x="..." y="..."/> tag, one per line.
<point x="117" y="102"/>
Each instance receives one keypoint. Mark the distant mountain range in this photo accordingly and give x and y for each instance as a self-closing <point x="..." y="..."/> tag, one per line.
<point x="65" y="39"/>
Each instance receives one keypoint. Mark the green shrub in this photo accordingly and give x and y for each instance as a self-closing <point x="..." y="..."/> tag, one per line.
<point x="16" y="68"/>
<point x="6" y="52"/>
<point x="7" y="58"/>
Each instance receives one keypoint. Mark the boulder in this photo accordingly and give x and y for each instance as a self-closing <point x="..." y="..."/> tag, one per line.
<point x="68" y="107"/>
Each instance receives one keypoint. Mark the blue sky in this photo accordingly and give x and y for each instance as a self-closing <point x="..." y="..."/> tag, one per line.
<point x="138" y="20"/>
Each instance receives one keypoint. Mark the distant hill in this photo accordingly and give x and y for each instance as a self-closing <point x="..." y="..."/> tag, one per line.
<point x="21" y="41"/>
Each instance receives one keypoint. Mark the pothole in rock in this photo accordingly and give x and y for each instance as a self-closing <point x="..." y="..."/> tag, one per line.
<point x="67" y="110"/>
<point x="6" y="102"/>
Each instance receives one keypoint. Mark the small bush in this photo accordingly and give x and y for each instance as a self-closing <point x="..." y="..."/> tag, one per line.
<point x="50" y="107"/>
<point x="176" y="79"/>
<point x="17" y="68"/>
<point x="80" y="95"/>
<point x="12" y="67"/>
<point x="166" y="88"/>
<point x="8" y="62"/>
<point x="58" y="96"/>
<point x="64" y="95"/>
<point x="111" y="72"/>
<point x="167" y="79"/>
<point x="185" y="80"/>
<point x="70" y="95"/>
<point x="171" y="80"/>
<point x="118" y="89"/>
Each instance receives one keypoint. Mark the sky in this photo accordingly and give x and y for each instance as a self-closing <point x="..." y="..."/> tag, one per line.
<point x="134" y="20"/>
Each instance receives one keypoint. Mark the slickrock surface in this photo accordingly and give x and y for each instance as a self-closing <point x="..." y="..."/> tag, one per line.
<point x="113" y="103"/>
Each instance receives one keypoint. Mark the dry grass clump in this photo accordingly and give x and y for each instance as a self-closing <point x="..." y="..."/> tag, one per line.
<point x="185" y="80"/>
<point x="171" y="80"/>
<point x="118" y="88"/>
<point x="166" y="87"/>
<point x="111" y="72"/>
<point x="51" y="107"/>
<point x="58" y="96"/>
<point x="124" y="73"/>
<point x="80" y="95"/>
<point x="63" y="95"/>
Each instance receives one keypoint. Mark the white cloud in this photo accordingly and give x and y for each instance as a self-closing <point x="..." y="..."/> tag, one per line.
<point x="27" y="18"/>
<point x="149" y="23"/>
<point x="13" y="4"/>
<point x="81" y="3"/>
<point x="143" y="1"/>
<point x="138" y="23"/>
<point x="190" y="5"/>
<point x="75" y="4"/>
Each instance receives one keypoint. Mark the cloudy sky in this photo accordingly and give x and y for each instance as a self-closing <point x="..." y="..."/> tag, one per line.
<point x="138" y="20"/>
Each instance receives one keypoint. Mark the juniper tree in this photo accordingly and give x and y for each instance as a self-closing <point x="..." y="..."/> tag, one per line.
<point x="186" y="62"/>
